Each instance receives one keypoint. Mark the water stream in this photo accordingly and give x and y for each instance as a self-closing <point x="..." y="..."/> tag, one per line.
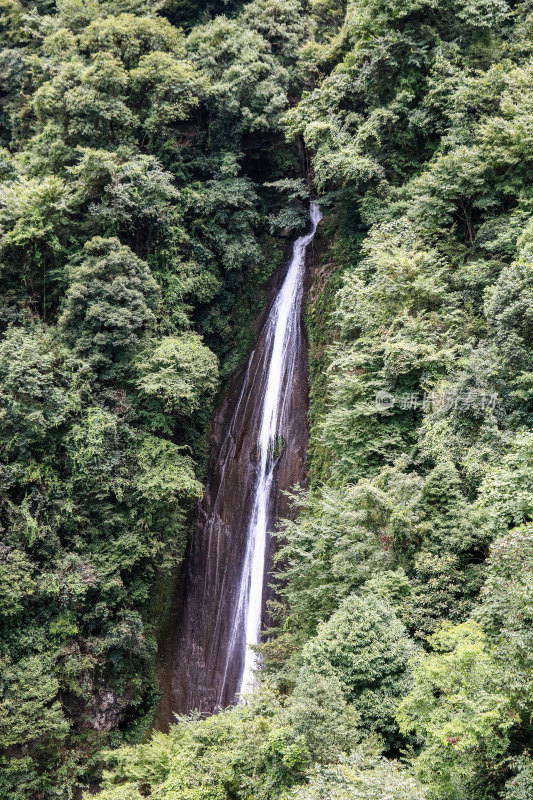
<point x="281" y="340"/>
<point x="259" y="441"/>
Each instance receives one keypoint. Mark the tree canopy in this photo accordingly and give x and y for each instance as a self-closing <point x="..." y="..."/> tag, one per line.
<point x="156" y="157"/>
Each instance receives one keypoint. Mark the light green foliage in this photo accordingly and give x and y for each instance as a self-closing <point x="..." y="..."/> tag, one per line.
<point x="84" y="105"/>
<point x="17" y="583"/>
<point x="245" y="750"/>
<point x="319" y="712"/>
<point x="345" y="538"/>
<point x="126" y="195"/>
<point x="508" y="310"/>
<point x="174" y="89"/>
<point x="30" y="716"/>
<point x="391" y="336"/>
<point x="283" y="23"/>
<point x="29" y="709"/>
<point x="178" y="372"/>
<point x="33" y="210"/>
<point x="437" y="590"/>
<point x="128" y="37"/>
<point x="506" y="492"/>
<point x="472" y="693"/>
<point x="363" y="120"/>
<point x="520" y="786"/>
<point x="464" y="425"/>
<point x="458" y="710"/>
<point x="419" y="120"/>
<point x="248" y="81"/>
<point x="363" y="775"/>
<point x="331" y="549"/>
<point x="166" y="475"/>
<point x="506" y="612"/>
<point x="258" y="749"/>
<point x="34" y="218"/>
<point x="109" y="305"/>
<point x="33" y="401"/>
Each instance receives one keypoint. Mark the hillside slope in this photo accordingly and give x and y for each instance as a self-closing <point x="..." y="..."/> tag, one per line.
<point x="141" y="171"/>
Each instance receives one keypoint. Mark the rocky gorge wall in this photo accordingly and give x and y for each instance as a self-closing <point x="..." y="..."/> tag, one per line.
<point x="194" y="644"/>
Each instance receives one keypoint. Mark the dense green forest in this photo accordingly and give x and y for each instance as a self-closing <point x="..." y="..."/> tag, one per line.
<point x="155" y="159"/>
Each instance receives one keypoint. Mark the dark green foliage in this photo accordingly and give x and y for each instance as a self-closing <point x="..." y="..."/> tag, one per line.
<point x="367" y="649"/>
<point x="131" y="243"/>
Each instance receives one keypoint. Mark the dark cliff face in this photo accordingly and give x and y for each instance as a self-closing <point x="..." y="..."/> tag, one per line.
<point x="195" y="673"/>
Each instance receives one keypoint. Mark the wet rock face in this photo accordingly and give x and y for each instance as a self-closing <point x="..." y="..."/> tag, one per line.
<point x="198" y="673"/>
<point x="109" y="711"/>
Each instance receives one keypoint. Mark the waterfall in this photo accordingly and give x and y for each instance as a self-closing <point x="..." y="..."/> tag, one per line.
<point x="258" y="449"/>
<point x="281" y="339"/>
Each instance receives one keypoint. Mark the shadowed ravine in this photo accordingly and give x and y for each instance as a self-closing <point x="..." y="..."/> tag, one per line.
<point x="258" y="447"/>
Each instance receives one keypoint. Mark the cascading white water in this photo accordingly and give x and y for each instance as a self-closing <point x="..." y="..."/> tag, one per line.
<point x="281" y="340"/>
